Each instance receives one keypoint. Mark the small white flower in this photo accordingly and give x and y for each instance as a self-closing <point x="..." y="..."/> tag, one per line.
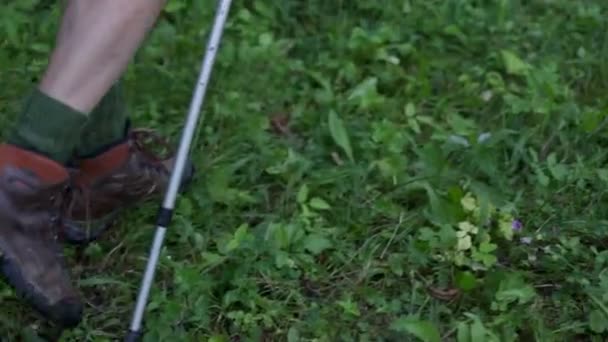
<point x="487" y="95"/>
<point x="526" y="240"/>
<point x="459" y="140"/>
<point x="483" y="137"/>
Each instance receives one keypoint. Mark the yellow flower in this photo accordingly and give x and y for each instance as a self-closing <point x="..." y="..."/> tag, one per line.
<point x="468" y="227"/>
<point x="464" y="243"/>
<point x="468" y="202"/>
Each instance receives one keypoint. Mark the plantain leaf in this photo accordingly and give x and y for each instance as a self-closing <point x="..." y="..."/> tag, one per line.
<point x="339" y="134"/>
<point x="424" y="330"/>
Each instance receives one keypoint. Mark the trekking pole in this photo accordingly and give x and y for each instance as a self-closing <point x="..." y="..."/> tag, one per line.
<point x="166" y="210"/>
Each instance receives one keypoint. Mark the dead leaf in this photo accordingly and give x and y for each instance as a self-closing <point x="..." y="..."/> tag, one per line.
<point x="280" y="123"/>
<point x="444" y="294"/>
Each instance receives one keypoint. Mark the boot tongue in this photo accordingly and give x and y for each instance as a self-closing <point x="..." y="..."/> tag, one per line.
<point x="46" y="170"/>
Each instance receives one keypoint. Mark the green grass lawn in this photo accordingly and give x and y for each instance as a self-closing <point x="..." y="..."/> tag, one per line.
<point x="368" y="171"/>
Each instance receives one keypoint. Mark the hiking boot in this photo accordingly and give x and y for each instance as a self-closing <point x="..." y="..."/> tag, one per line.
<point x="32" y="188"/>
<point x="122" y="176"/>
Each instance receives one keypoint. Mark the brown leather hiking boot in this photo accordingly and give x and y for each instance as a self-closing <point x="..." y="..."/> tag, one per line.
<point x="122" y="176"/>
<point x="31" y="194"/>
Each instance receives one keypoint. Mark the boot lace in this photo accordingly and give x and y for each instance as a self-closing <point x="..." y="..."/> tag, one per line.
<point x="141" y="136"/>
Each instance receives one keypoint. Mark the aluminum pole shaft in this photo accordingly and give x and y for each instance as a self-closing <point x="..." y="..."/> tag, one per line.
<point x="180" y="164"/>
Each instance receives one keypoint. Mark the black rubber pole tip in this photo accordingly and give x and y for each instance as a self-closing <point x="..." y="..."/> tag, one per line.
<point x="133" y="336"/>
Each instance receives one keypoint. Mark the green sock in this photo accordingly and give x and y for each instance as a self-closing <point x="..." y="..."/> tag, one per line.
<point x="48" y="126"/>
<point x="105" y="125"/>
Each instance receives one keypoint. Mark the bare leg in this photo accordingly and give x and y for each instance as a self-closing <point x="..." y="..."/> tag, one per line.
<point x="96" y="41"/>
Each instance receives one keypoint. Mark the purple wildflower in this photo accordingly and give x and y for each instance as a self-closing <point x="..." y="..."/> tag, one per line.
<point x="517" y="225"/>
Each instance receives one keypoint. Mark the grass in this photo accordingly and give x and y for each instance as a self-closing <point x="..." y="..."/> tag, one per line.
<point x="361" y="166"/>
